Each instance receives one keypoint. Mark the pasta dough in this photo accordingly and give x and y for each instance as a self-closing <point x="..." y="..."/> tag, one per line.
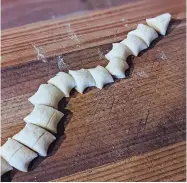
<point x="83" y="79"/>
<point x="17" y="155"/>
<point x="146" y="33"/>
<point x="160" y="23"/>
<point x="45" y="117"/>
<point x="117" y="67"/>
<point x="47" y="94"/>
<point x="101" y="76"/>
<point x="35" y="138"/>
<point x="135" y="44"/>
<point x="64" y="82"/>
<point x="119" y="50"/>
<point x="5" y="167"/>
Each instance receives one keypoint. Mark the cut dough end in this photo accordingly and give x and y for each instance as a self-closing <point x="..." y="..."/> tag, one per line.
<point x="160" y="23"/>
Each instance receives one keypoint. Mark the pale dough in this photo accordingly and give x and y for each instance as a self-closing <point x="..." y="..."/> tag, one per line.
<point x="17" y="155"/>
<point x="45" y="117"/>
<point x="101" y="76"/>
<point x="64" y="82"/>
<point x="160" y="23"/>
<point x="117" y="67"/>
<point x="5" y="166"/>
<point x="47" y="94"/>
<point x="36" y="138"/>
<point x="119" y="50"/>
<point x="83" y="79"/>
<point x="135" y="44"/>
<point x="144" y="32"/>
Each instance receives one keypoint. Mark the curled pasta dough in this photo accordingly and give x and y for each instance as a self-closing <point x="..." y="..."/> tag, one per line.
<point x="101" y="76"/>
<point x="45" y="117"/>
<point x="135" y="44"/>
<point x="64" y="82"/>
<point x="35" y="138"/>
<point x="160" y="23"/>
<point x="119" y="50"/>
<point x="47" y="94"/>
<point x="5" y="166"/>
<point x="17" y="155"/>
<point x="146" y="33"/>
<point x="117" y="67"/>
<point x="83" y="79"/>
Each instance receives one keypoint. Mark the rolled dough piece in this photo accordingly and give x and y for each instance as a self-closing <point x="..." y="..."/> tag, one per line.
<point x="160" y="23"/>
<point x="64" y="82"/>
<point x="47" y="94"/>
<point x="17" y="155"/>
<point x="101" y="76"/>
<point x="83" y="79"/>
<point x="5" y="166"/>
<point x="135" y="44"/>
<point x="117" y="67"/>
<point x="35" y="138"/>
<point x="45" y="117"/>
<point x="119" y="50"/>
<point x="146" y="33"/>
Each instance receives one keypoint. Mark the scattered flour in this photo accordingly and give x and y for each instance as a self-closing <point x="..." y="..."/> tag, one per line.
<point x="162" y="55"/>
<point x="40" y="53"/>
<point x="142" y="74"/>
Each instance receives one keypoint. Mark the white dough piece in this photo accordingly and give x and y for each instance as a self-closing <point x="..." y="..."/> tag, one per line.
<point x="135" y="44"/>
<point x="17" y="155"/>
<point x="47" y="94"/>
<point x="64" y="82"/>
<point x="117" y="67"/>
<point x="36" y="138"/>
<point x="119" y="50"/>
<point x="160" y="23"/>
<point x="101" y="76"/>
<point x="45" y="117"/>
<point x="5" y="166"/>
<point x="146" y="33"/>
<point x="83" y="79"/>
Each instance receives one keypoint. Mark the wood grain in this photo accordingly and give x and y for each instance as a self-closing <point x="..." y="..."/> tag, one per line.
<point x="165" y="164"/>
<point x="56" y="37"/>
<point x="143" y="113"/>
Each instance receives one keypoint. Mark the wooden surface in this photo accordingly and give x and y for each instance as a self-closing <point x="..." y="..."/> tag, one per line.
<point x="129" y="122"/>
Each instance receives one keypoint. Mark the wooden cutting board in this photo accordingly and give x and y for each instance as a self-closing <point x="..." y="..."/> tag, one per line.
<point x="132" y="130"/>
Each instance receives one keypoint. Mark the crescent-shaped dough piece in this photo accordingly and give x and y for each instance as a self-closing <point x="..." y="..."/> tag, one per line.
<point x="45" y="117"/>
<point x="17" y="155"/>
<point x="117" y="67"/>
<point x="5" y="166"/>
<point x="119" y="50"/>
<point x="35" y="138"/>
<point x="83" y="79"/>
<point x="135" y="44"/>
<point x="47" y="94"/>
<point x="146" y="33"/>
<point x="101" y="76"/>
<point x="160" y="23"/>
<point x="64" y="82"/>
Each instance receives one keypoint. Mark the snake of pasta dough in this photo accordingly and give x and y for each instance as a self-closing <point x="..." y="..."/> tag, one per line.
<point x="144" y="32"/>
<point x="117" y="67"/>
<point x="5" y="166"/>
<point x="17" y="155"/>
<point x="160" y="23"/>
<point x="83" y="79"/>
<point x="36" y="138"/>
<point x="119" y="50"/>
<point x="101" y="76"/>
<point x="45" y="117"/>
<point x="64" y="82"/>
<point x="47" y="94"/>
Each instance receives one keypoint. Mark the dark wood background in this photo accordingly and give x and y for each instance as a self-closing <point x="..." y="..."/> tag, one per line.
<point x="132" y="130"/>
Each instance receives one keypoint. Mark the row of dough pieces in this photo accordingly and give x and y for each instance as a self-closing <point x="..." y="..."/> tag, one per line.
<point x="45" y="116"/>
